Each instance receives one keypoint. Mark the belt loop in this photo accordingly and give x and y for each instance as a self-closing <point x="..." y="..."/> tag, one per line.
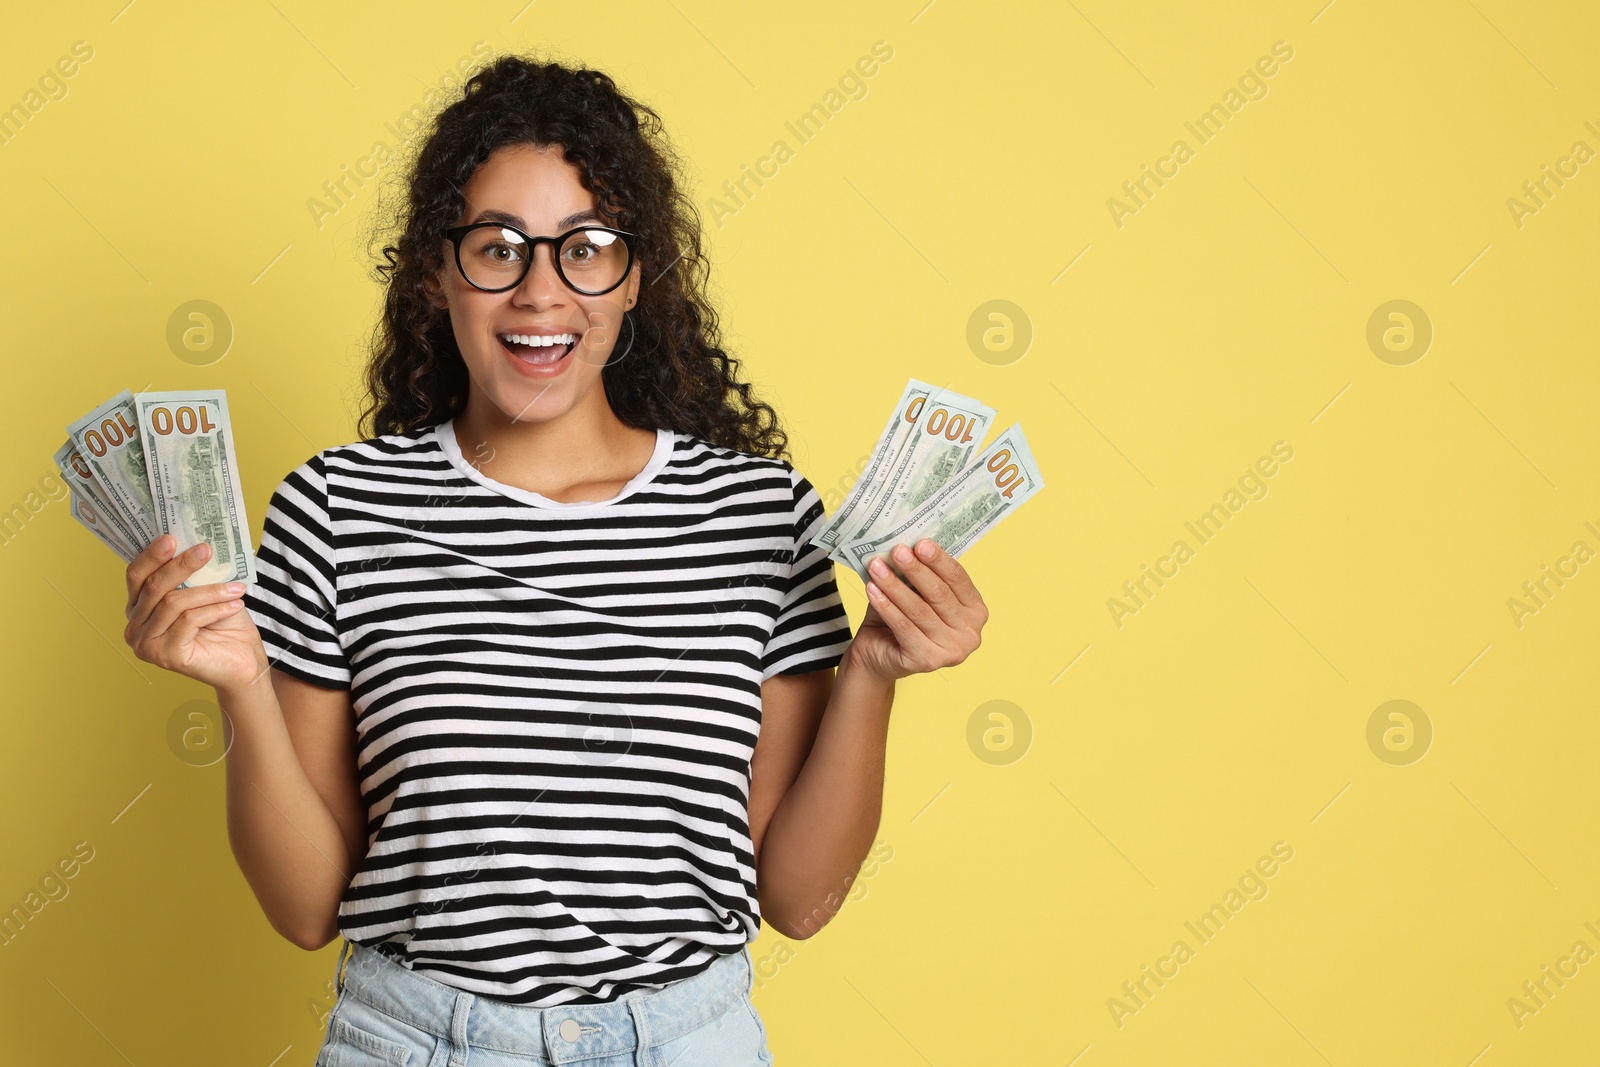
<point x="346" y="948"/>
<point x="458" y="1030"/>
<point x="645" y="1054"/>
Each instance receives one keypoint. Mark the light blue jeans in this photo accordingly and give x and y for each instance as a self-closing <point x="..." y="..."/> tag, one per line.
<point x="386" y="1014"/>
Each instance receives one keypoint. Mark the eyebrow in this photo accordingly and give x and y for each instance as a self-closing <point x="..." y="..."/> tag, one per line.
<point x="562" y="224"/>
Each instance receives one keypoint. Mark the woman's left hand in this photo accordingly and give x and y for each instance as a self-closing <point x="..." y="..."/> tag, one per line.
<point x="913" y="630"/>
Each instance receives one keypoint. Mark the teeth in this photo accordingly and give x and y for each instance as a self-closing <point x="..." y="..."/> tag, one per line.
<point x="540" y="342"/>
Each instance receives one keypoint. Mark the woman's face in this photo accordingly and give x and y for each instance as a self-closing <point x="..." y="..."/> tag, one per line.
<point x="537" y="191"/>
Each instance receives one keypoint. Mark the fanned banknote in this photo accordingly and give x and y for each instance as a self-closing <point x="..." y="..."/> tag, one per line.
<point x="161" y="463"/>
<point x="890" y="441"/>
<point x="194" y="479"/>
<point x="108" y="438"/>
<point x="94" y="519"/>
<point x="1001" y="479"/>
<point x="77" y="473"/>
<point x="944" y="433"/>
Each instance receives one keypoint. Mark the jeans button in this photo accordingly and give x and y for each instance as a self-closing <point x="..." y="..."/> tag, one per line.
<point x="569" y="1029"/>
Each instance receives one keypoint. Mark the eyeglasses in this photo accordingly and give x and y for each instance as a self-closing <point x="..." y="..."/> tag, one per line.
<point x="494" y="257"/>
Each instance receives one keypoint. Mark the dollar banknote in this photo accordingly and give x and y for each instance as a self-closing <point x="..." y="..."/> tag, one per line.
<point x="77" y="473"/>
<point x="194" y="479"/>
<point x="95" y="519"/>
<point x="942" y="436"/>
<point x="108" y="438"/>
<point x="893" y="437"/>
<point x="999" y="480"/>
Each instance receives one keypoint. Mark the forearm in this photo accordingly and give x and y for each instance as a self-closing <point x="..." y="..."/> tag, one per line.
<point x="821" y="832"/>
<point x="284" y="837"/>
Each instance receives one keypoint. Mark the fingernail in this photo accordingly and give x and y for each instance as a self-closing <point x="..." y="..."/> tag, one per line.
<point x="235" y="587"/>
<point x="925" y="550"/>
<point x="202" y="552"/>
<point x="873" y="590"/>
<point x="902" y="553"/>
<point x="168" y="543"/>
<point x="879" y="567"/>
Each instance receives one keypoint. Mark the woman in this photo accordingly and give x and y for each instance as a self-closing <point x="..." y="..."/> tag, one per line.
<point x="534" y="702"/>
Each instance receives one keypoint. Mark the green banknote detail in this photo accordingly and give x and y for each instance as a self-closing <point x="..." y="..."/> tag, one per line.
<point x="194" y="479"/>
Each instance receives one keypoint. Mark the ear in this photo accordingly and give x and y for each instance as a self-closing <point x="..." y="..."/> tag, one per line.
<point x="435" y="293"/>
<point x="632" y="288"/>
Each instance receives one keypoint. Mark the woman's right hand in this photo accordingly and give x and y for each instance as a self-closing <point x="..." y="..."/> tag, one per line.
<point x="203" y="633"/>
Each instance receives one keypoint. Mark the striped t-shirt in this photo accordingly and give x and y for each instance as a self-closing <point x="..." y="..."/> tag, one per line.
<point x="556" y="703"/>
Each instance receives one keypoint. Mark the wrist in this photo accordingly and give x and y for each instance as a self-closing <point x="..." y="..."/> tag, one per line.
<point x="246" y="691"/>
<point x="856" y="673"/>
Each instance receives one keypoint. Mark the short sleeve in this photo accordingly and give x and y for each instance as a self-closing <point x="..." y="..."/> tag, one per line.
<point x="293" y="598"/>
<point x="812" y="631"/>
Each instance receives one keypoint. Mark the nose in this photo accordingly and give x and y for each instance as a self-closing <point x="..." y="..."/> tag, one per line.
<point x="542" y="284"/>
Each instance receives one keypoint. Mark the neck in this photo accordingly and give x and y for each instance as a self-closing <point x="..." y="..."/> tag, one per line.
<point x="585" y="443"/>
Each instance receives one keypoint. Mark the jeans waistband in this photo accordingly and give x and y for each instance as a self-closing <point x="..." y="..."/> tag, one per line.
<point x="641" y="1018"/>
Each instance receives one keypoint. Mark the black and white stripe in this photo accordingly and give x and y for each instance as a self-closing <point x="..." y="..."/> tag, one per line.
<point x="556" y="703"/>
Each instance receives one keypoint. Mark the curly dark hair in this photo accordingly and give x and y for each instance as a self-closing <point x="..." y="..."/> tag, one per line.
<point x="676" y="374"/>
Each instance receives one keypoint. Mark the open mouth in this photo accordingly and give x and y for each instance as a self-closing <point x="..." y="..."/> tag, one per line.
<point x="539" y="351"/>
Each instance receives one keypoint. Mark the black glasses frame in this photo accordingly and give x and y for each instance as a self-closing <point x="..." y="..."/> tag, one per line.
<point x="456" y="233"/>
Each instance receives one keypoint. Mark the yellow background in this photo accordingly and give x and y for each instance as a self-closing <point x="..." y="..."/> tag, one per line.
<point x="1228" y="313"/>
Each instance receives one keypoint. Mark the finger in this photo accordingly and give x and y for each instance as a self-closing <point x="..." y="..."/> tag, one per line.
<point x="166" y="578"/>
<point x="906" y="598"/>
<point x="189" y="624"/>
<point x="144" y="564"/>
<point x="914" y="644"/>
<point x="947" y="567"/>
<point x="175" y="603"/>
<point x="927" y="581"/>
